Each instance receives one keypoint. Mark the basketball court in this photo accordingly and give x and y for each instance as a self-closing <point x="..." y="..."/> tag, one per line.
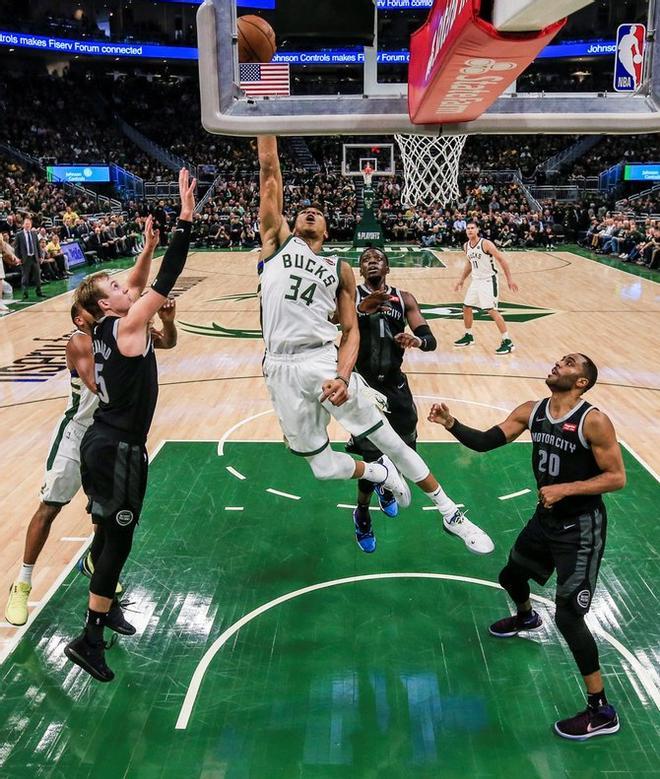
<point x="268" y="645"/>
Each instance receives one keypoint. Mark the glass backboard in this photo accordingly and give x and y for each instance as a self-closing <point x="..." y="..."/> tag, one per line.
<point x="364" y="90"/>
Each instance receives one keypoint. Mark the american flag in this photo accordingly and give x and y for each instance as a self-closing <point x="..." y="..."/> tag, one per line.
<point x="265" y="79"/>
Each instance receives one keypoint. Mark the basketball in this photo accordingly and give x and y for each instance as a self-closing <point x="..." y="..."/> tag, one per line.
<point x="256" y="39"/>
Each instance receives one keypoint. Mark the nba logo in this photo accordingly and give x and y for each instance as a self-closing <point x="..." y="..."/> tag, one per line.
<point x="629" y="57"/>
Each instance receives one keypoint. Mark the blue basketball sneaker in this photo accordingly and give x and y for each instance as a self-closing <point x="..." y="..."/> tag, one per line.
<point x="387" y="501"/>
<point x="364" y="535"/>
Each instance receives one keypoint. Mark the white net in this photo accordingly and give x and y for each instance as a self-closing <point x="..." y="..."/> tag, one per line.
<point x="430" y="168"/>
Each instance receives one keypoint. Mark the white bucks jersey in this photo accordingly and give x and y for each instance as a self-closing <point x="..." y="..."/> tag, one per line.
<point x="298" y="292"/>
<point x="482" y="263"/>
<point x="82" y="402"/>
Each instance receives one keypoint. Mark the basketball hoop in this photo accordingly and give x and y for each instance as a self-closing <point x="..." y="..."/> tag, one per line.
<point x="430" y="168"/>
<point x="367" y="175"/>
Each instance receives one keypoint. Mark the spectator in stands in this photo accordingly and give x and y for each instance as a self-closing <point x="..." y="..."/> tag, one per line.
<point x="55" y="253"/>
<point x="47" y="265"/>
<point x="458" y="229"/>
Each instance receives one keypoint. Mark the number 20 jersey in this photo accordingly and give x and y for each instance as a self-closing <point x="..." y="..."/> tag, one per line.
<point x="561" y="454"/>
<point x="298" y="293"/>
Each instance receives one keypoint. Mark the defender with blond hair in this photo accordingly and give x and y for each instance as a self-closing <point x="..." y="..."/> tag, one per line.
<point x="114" y="460"/>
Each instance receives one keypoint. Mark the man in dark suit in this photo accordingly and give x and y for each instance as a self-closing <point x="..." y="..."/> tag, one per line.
<point x="26" y="248"/>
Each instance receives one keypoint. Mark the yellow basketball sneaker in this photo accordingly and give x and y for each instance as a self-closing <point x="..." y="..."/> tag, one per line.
<point x="16" y="612"/>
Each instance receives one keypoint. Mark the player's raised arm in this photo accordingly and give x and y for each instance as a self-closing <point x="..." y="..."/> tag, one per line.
<point x="272" y="225"/>
<point x="490" y="247"/>
<point x="131" y="336"/>
<point x="139" y="274"/>
<point x="484" y="440"/>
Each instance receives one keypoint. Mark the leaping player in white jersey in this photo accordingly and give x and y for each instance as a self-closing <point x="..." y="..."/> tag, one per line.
<point x="308" y="378"/>
<point x="62" y="477"/>
<point x="483" y="291"/>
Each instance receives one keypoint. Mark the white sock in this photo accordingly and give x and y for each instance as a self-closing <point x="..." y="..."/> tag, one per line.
<point x="445" y="504"/>
<point x="25" y="574"/>
<point x="468" y="331"/>
<point x="505" y="335"/>
<point x="375" y="472"/>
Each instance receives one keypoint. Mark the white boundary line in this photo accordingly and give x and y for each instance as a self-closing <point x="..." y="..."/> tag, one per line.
<point x="236" y="473"/>
<point x="225" y="436"/>
<point x="514" y="494"/>
<point x="642" y="674"/>
<point x="283" y="494"/>
<point x="639" y="459"/>
<point x="7" y="648"/>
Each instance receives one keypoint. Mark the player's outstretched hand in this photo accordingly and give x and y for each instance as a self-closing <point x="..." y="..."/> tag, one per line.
<point x="334" y="390"/>
<point x="408" y="341"/>
<point x="439" y="414"/>
<point x="151" y="236"/>
<point x="187" y="194"/>
<point x="374" y="302"/>
<point x="513" y="286"/>
<point x="167" y="311"/>
<point x="458" y="286"/>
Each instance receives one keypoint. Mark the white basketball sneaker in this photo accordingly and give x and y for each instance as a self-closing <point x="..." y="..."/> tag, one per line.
<point x="473" y="537"/>
<point x="395" y="483"/>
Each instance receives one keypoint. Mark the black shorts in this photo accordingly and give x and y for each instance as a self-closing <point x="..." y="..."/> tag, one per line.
<point x="573" y="546"/>
<point x="402" y="416"/>
<point x="114" y="476"/>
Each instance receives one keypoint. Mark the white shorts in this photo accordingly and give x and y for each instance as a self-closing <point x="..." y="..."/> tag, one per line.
<point x="294" y="382"/>
<point x="482" y="293"/>
<point x="62" y="478"/>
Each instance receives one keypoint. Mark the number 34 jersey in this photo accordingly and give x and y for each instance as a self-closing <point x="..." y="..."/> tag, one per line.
<point x="127" y="386"/>
<point x="298" y="293"/>
<point x="561" y="454"/>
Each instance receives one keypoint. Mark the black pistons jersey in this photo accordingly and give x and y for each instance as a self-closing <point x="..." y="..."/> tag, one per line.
<point x="380" y="357"/>
<point x="127" y="386"/>
<point x="561" y="454"/>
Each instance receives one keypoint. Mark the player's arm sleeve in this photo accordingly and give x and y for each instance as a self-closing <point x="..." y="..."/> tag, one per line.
<point x="425" y="335"/>
<point x="479" y="440"/>
<point x="174" y="259"/>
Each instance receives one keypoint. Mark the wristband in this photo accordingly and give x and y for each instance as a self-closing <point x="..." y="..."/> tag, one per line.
<point x="341" y="378"/>
<point x="428" y="342"/>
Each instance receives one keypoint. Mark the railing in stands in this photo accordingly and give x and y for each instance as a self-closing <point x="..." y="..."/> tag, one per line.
<point x="209" y="193"/>
<point x="33" y="162"/>
<point x="565" y="192"/>
<point x="571" y="153"/>
<point x="155" y="190"/>
<point x="166" y="158"/>
<point x="620" y="204"/>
